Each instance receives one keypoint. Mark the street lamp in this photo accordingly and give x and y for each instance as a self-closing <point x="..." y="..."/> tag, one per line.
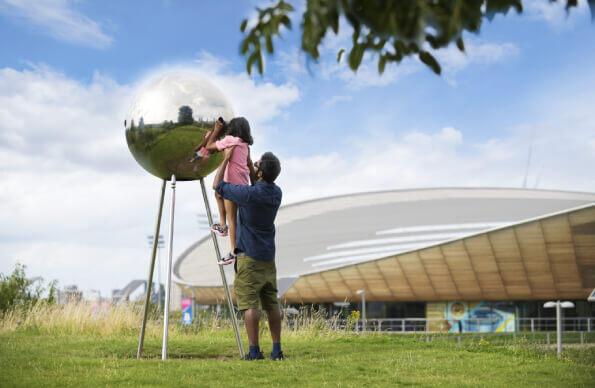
<point x="559" y="306"/>
<point x="363" y="294"/>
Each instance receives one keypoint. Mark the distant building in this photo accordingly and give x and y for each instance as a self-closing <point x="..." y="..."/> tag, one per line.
<point x="136" y="290"/>
<point x="70" y="294"/>
<point x="484" y="256"/>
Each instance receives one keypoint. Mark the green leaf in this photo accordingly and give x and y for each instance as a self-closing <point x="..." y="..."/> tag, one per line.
<point x="244" y="25"/>
<point x="430" y="61"/>
<point x="592" y="8"/>
<point x="340" y="55"/>
<point x="245" y="45"/>
<point x="269" y="43"/>
<point x="381" y="64"/>
<point x="260" y="63"/>
<point x="283" y="6"/>
<point x="431" y="39"/>
<point x="355" y="56"/>
<point x="461" y="44"/>
<point x="285" y="21"/>
<point x="251" y="59"/>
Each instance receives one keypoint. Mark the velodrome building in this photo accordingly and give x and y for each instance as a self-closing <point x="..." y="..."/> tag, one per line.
<point x="444" y="254"/>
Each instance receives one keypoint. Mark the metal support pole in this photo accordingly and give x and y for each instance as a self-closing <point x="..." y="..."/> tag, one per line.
<point x="170" y="246"/>
<point x="159" y="277"/>
<point x="559" y="327"/>
<point x="364" y="311"/>
<point x="141" y="338"/>
<point x="230" y="305"/>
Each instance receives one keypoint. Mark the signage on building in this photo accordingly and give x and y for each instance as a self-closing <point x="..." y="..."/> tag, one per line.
<point x="187" y="312"/>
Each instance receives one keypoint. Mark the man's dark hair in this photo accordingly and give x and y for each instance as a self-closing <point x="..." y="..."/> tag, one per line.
<point x="239" y="127"/>
<point x="270" y="167"/>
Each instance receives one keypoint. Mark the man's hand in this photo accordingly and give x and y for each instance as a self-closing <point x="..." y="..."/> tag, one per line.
<point x="221" y="172"/>
<point x="227" y="154"/>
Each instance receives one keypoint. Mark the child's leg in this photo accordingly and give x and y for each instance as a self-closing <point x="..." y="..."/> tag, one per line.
<point x="232" y="212"/>
<point x="221" y="206"/>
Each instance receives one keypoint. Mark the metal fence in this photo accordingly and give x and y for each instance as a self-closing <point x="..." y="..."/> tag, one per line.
<point x="583" y="324"/>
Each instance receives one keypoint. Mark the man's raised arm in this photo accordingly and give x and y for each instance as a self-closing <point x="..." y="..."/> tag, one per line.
<point x="240" y="194"/>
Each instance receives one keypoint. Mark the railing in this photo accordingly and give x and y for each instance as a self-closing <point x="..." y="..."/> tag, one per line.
<point x="583" y="324"/>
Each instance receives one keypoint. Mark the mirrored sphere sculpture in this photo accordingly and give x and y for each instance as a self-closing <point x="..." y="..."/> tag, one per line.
<point x="169" y="118"/>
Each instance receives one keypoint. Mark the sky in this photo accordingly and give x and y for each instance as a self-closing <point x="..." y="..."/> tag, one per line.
<point x="75" y="206"/>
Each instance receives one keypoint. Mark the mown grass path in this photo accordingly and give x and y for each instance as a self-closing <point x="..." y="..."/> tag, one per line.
<point x="29" y="358"/>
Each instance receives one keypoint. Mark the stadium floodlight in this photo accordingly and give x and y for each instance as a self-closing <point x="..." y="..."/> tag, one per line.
<point x="363" y="294"/>
<point x="559" y="306"/>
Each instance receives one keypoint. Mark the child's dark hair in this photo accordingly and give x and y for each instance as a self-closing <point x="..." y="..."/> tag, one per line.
<point x="270" y="167"/>
<point x="239" y="127"/>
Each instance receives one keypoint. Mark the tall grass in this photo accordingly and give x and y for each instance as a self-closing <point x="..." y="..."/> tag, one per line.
<point x="74" y="318"/>
<point x="107" y="319"/>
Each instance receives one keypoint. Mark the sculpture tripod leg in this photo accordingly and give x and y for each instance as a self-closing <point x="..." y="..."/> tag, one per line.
<point x="230" y="305"/>
<point x="170" y="246"/>
<point x="141" y="338"/>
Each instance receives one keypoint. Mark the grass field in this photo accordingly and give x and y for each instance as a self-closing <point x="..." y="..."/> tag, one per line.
<point x="79" y="345"/>
<point x="36" y="358"/>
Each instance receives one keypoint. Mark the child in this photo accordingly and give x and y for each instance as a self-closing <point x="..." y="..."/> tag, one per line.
<point x="238" y="171"/>
<point x="200" y="151"/>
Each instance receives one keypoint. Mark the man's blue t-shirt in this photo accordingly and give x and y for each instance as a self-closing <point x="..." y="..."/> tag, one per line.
<point x="257" y="209"/>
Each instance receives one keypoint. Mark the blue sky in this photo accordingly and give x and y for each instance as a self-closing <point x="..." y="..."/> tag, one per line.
<point x="526" y="81"/>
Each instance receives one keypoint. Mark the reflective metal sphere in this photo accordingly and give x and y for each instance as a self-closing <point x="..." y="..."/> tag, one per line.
<point x="168" y="120"/>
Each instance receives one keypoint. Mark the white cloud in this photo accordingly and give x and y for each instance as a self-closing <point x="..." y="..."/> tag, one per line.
<point x="562" y="142"/>
<point x="476" y="52"/>
<point x="554" y="13"/>
<point x="334" y="100"/>
<point x="74" y="203"/>
<point x="59" y="19"/>
<point x="450" y="58"/>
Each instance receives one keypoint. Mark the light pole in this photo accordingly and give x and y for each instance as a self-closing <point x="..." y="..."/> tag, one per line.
<point x="160" y="243"/>
<point x="559" y="306"/>
<point x="363" y="294"/>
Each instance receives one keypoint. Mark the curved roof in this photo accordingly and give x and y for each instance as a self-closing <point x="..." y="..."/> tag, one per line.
<point x="330" y="233"/>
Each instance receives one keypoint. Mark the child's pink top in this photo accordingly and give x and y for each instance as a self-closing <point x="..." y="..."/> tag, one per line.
<point x="237" y="171"/>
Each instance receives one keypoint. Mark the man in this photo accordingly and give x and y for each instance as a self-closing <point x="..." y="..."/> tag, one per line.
<point x="256" y="275"/>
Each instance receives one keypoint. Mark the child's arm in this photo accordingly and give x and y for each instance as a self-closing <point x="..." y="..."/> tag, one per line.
<point x="205" y="140"/>
<point x="211" y="146"/>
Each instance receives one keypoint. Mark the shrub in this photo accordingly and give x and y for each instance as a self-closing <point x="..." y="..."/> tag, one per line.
<point x="17" y="290"/>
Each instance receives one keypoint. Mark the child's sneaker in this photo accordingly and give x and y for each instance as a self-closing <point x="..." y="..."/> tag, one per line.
<point x="200" y="154"/>
<point x="277" y="356"/>
<point x="220" y="230"/>
<point x="229" y="259"/>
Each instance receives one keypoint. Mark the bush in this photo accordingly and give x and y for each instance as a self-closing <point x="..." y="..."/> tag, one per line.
<point x="17" y="290"/>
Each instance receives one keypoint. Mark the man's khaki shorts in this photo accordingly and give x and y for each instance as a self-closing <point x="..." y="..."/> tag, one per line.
<point x="255" y="284"/>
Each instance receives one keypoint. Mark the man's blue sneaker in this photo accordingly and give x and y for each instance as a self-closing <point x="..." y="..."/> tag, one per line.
<point x="277" y="356"/>
<point x="252" y="357"/>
